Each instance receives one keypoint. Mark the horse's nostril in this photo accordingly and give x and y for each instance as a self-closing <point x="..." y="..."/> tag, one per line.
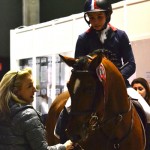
<point x="75" y="138"/>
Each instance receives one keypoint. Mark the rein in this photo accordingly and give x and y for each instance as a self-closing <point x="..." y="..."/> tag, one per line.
<point x="119" y="118"/>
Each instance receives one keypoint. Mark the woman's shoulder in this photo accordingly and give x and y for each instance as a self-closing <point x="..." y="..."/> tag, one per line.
<point x="29" y="111"/>
<point x="26" y="116"/>
<point x="21" y="111"/>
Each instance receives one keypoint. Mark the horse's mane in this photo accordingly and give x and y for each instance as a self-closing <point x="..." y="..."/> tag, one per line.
<point x="108" y="54"/>
<point x="83" y="63"/>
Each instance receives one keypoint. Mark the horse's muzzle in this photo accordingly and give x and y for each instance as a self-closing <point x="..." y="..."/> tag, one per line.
<point x="75" y="138"/>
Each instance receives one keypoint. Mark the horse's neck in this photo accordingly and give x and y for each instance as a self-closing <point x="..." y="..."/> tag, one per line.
<point x="118" y="100"/>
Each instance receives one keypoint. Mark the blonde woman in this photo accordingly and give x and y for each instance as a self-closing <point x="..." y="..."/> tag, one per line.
<point x="21" y="127"/>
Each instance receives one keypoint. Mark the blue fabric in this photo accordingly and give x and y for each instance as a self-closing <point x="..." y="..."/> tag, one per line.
<point x="61" y="125"/>
<point x="117" y="42"/>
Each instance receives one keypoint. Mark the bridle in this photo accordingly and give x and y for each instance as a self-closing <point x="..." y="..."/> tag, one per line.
<point x="95" y="122"/>
<point x="95" y="99"/>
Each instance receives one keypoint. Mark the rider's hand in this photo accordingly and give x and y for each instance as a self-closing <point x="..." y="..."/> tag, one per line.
<point x="69" y="145"/>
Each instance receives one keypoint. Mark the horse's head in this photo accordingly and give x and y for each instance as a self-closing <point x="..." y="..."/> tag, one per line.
<point x="92" y="80"/>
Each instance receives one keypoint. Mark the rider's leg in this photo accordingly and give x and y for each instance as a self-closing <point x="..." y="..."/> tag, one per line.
<point x="61" y="126"/>
<point x="147" y="137"/>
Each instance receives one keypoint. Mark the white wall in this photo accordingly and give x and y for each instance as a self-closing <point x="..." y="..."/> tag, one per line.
<point x="133" y="17"/>
<point x="60" y="35"/>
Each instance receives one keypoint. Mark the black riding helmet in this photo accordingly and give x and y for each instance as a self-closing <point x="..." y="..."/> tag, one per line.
<point x="98" y="5"/>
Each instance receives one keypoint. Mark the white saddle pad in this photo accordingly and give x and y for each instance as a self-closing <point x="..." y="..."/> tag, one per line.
<point x="135" y="95"/>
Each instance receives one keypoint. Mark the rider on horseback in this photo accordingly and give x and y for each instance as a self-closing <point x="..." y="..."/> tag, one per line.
<point x="113" y="42"/>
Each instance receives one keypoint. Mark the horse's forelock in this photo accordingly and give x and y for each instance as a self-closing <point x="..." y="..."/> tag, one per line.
<point x="81" y="64"/>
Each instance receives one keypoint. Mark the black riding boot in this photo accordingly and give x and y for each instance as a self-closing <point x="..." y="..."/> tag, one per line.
<point x="147" y="137"/>
<point x="61" y="125"/>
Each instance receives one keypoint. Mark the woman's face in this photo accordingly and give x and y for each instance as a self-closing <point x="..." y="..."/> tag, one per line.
<point x="97" y="19"/>
<point x="26" y="92"/>
<point x="140" y="89"/>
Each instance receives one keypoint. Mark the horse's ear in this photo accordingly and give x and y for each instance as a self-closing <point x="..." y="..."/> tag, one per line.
<point x="95" y="62"/>
<point x="68" y="60"/>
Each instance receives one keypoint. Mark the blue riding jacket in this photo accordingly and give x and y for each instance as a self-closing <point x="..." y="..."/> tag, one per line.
<point x="117" y="42"/>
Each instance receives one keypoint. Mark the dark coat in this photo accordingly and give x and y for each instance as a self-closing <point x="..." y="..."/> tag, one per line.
<point x="24" y="130"/>
<point x="117" y="43"/>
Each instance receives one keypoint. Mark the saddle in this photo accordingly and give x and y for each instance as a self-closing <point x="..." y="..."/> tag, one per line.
<point x="140" y="111"/>
<point x="140" y="105"/>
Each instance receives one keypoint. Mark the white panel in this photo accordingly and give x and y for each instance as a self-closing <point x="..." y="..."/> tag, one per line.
<point x="63" y="36"/>
<point x="117" y="18"/>
<point x="24" y="44"/>
<point x="141" y="52"/>
<point x="138" y="19"/>
<point x="43" y="40"/>
<point x="80" y="26"/>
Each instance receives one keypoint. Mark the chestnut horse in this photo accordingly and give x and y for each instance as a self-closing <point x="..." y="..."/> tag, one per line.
<point x="102" y="116"/>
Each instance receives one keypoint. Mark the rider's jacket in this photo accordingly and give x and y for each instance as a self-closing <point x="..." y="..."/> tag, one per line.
<point x="116" y="44"/>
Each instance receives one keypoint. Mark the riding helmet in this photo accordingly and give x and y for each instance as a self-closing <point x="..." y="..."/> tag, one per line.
<point x="98" y="5"/>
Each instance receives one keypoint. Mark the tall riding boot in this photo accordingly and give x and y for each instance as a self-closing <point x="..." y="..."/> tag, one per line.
<point x="147" y="137"/>
<point x="61" y="126"/>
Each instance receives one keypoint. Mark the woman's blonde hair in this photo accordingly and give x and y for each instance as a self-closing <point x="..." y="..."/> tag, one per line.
<point x="11" y="82"/>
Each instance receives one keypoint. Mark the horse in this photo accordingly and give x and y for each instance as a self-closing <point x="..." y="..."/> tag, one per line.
<point x="102" y="116"/>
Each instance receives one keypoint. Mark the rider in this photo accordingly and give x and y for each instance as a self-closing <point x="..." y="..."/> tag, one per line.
<point x="102" y="35"/>
<point x="114" y="43"/>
